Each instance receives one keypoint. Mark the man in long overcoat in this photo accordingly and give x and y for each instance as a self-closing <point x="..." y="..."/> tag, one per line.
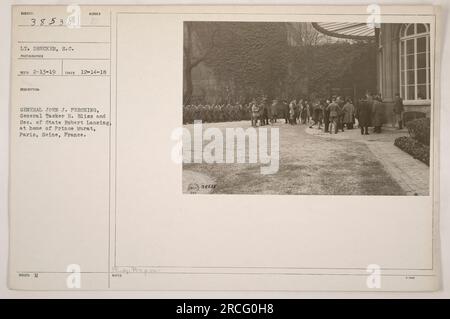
<point x="340" y="101"/>
<point x="378" y="114"/>
<point x="326" y="115"/>
<point x="349" y="113"/>
<point x="274" y="111"/>
<point x="398" y="110"/>
<point x="364" y="115"/>
<point x="285" y="107"/>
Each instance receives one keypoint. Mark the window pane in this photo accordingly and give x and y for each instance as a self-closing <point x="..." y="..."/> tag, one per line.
<point x="410" y="29"/>
<point x="421" y="44"/>
<point x="421" y="92"/>
<point x="421" y="60"/>
<point x="410" y="77"/>
<point x="421" y="28"/>
<point x="410" y="62"/>
<point x="403" y="30"/>
<point x="402" y="63"/>
<point x="422" y="76"/>
<point x="402" y="48"/>
<point x="411" y="92"/>
<point x="410" y="46"/>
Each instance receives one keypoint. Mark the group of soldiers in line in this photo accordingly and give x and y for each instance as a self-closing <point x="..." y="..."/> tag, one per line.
<point x="216" y="113"/>
<point x="334" y="113"/>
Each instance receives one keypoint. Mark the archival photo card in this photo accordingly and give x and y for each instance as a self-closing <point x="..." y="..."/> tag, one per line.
<point x="224" y="148"/>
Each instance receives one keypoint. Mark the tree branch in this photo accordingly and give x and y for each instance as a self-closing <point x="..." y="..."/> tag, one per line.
<point x="197" y="61"/>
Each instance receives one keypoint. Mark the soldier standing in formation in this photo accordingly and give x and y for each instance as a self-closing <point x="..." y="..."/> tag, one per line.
<point x="255" y="112"/>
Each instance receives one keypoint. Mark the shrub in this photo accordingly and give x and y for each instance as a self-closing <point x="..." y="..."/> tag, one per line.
<point x="420" y="130"/>
<point x="414" y="148"/>
<point x="412" y="115"/>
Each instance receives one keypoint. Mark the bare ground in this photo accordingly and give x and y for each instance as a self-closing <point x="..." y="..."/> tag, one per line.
<point x="309" y="165"/>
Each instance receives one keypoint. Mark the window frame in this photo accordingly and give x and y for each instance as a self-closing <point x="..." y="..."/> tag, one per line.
<point x="403" y="60"/>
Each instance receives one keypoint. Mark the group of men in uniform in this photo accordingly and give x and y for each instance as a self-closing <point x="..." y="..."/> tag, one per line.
<point x="215" y="113"/>
<point x="268" y="113"/>
<point x="335" y="113"/>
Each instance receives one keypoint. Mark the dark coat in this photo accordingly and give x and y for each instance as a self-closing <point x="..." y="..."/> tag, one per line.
<point x="398" y="105"/>
<point x="378" y="113"/>
<point x="333" y="109"/>
<point x="364" y="113"/>
<point x="317" y="113"/>
<point x="274" y="109"/>
<point x="348" y="111"/>
<point x="283" y="109"/>
<point x="264" y="110"/>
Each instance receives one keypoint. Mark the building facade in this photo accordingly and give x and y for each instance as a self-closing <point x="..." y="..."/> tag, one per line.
<point x="404" y="65"/>
<point x="403" y="61"/>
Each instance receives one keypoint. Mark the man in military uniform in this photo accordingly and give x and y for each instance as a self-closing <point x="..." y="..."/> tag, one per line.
<point x="264" y="110"/>
<point x="274" y="111"/>
<point x="364" y="114"/>
<point x="334" y="112"/>
<point x="398" y="111"/>
<point x="340" y="101"/>
<point x="255" y="112"/>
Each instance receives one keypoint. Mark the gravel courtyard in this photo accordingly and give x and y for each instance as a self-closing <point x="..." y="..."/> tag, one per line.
<point x="311" y="163"/>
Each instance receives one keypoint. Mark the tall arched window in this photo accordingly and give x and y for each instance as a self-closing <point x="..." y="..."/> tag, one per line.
<point x="415" y="77"/>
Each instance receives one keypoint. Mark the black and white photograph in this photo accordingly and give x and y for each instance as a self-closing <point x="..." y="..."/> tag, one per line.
<point x="308" y="108"/>
<point x="227" y="151"/>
